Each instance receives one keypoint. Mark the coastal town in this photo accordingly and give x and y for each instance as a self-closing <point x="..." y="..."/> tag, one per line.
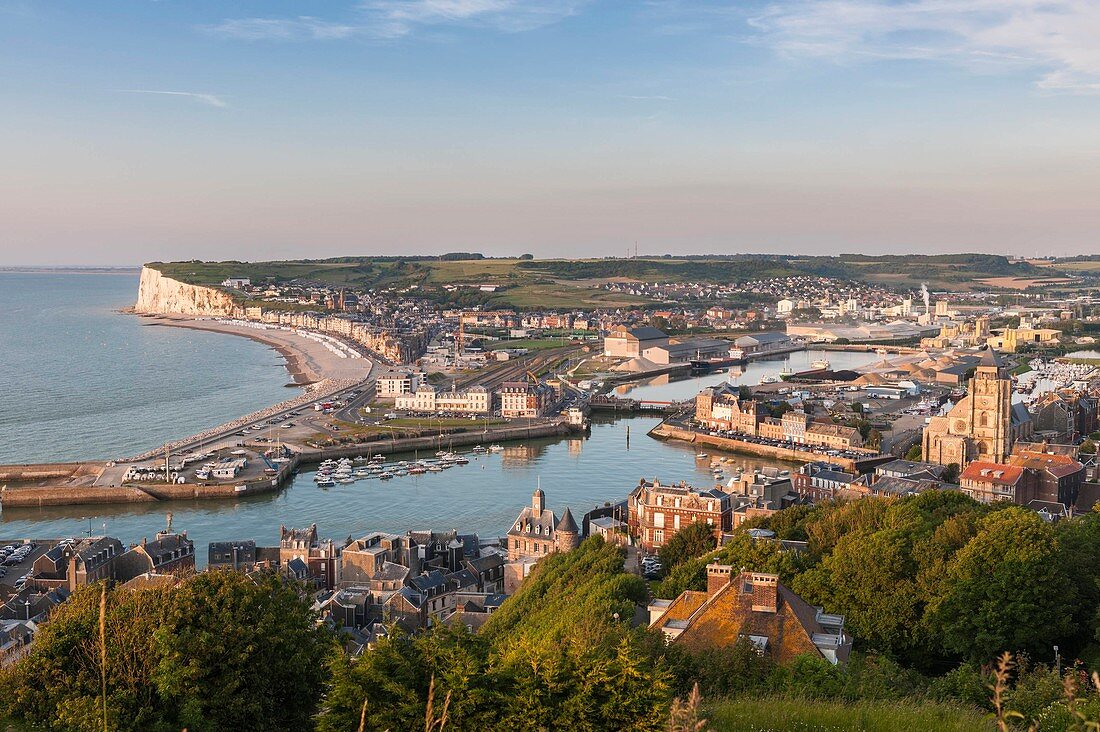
<point x="955" y="395"/>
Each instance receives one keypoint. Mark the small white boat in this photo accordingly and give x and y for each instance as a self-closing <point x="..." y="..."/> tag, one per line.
<point x="417" y="470"/>
<point x="496" y="448"/>
<point x="347" y="480"/>
<point x="700" y="456"/>
<point x="821" y="363"/>
<point x="769" y="379"/>
<point x="434" y="469"/>
<point x="326" y="483"/>
<point x="386" y="476"/>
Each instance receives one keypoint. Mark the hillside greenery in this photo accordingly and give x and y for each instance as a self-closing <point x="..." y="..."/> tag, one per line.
<point x="932" y="580"/>
<point x="571" y="283"/>
<point x="933" y="588"/>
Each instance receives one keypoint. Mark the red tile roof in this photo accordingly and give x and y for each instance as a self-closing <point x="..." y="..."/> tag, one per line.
<point x="995" y="473"/>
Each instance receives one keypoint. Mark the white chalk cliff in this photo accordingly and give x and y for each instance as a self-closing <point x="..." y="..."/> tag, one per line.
<point x="162" y="295"/>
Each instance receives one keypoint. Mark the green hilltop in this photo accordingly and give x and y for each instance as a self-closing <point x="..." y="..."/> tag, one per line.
<point x="564" y="283"/>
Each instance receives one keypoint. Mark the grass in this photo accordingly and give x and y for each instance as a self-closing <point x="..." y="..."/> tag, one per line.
<point x="764" y="715"/>
<point x="531" y="344"/>
<point x="436" y="423"/>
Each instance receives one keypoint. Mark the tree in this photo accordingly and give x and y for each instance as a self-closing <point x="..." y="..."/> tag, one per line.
<point x="951" y="473"/>
<point x="218" y="651"/>
<point x="689" y="542"/>
<point x="527" y="257"/>
<point x="1009" y="588"/>
<point x="916" y="452"/>
<point x="240" y="652"/>
<point x="1088" y="447"/>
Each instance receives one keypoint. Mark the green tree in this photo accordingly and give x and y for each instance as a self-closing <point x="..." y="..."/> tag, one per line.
<point x="1088" y="447"/>
<point x="218" y="651"/>
<point x="1009" y="588"/>
<point x="240" y="652"/>
<point x="689" y="542"/>
<point x="915" y="453"/>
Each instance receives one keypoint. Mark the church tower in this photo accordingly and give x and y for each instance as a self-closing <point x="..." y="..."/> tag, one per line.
<point x="991" y="410"/>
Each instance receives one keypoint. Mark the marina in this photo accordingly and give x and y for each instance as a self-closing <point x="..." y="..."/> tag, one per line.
<point x="582" y="471"/>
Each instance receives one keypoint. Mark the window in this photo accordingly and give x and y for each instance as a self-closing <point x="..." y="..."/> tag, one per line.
<point x="659" y="520"/>
<point x="676" y="522"/>
<point x="658" y="537"/>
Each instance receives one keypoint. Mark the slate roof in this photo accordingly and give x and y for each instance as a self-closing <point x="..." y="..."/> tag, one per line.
<point x="567" y="523"/>
<point x="646" y="333"/>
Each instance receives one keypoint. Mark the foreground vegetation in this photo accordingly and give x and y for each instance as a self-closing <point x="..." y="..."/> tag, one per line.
<point x="793" y="713"/>
<point x="934" y="588"/>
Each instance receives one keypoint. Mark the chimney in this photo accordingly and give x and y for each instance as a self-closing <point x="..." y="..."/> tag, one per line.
<point x="718" y="577"/>
<point x="765" y="591"/>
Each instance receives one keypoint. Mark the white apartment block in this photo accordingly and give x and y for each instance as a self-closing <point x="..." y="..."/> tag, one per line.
<point x="397" y="383"/>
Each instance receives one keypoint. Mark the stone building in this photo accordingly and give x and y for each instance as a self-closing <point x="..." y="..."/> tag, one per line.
<point x="983" y="425"/>
<point x="658" y="511"/>
<point x="537" y="532"/>
<point x="306" y="556"/>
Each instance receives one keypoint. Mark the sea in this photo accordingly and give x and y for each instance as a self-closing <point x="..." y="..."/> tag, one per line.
<point x="83" y="380"/>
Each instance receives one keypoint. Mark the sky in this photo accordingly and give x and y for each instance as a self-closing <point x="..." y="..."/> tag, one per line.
<point x="141" y="130"/>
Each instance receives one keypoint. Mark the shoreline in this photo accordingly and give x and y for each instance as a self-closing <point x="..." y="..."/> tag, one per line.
<point x="295" y="362"/>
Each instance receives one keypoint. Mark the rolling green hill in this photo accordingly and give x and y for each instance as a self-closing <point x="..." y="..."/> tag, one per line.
<point x="570" y="283"/>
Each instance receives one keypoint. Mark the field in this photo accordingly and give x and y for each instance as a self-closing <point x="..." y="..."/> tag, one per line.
<point x="455" y="280"/>
<point x="765" y="715"/>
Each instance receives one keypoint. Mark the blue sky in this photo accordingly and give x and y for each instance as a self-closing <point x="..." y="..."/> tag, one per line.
<point x="132" y="131"/>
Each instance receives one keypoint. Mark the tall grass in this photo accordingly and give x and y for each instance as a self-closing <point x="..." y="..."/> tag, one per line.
<point x="812" y="715"/>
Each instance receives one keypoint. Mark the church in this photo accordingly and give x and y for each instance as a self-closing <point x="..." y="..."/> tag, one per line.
<point x="983" y="425"/>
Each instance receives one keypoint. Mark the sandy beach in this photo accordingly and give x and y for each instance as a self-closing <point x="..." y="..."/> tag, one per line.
<point x="307" y="361"/>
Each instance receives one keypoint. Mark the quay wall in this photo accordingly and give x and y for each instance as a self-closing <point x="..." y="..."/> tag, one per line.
<point x="162" y="295"/>
<point x="28" y="473"/>
<point x="666" y="431"/>
<point x="71" y="496"/>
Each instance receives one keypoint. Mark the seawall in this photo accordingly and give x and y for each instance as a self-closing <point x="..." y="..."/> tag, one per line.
<point x="160" y="295"/>
<point x="665" y="431"/>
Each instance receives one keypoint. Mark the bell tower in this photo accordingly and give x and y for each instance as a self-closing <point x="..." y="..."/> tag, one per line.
<point x="991" y="410"/>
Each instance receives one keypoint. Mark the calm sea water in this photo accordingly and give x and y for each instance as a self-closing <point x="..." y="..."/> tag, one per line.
<point x="83" y="381"/>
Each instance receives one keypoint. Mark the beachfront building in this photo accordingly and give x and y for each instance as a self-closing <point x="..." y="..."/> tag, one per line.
<point x="524" y="399"/>
<point x="623" y="342"/>
<point x="426" y="399"/>
<point x="658" y="511"/>
<point x="752" y="607"/>
<point x="393" y="384"/>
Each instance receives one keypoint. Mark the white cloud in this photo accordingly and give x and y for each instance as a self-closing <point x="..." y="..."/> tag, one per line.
<point x="303" y="28"/>
<point x="212" y="100"/>
<point x="511" y="16"/>
<point x="1058" y="39"/>
<point x="397" y="18"/>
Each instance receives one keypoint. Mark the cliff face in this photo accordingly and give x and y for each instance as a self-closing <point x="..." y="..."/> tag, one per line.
<point x="161" y="295"/>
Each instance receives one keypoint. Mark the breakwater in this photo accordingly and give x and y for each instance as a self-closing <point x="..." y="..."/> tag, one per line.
<point x="665" y="431"/>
